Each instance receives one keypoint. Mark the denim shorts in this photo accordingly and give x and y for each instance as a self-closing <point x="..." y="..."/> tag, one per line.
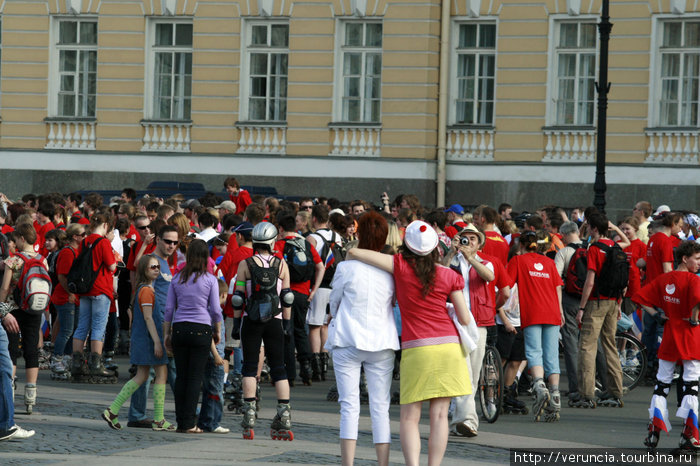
<point x="542" y="347"/>
<point x="94" y="312"/>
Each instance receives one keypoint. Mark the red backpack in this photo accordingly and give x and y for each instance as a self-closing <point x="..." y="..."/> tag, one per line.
<point x="576" y="271"/>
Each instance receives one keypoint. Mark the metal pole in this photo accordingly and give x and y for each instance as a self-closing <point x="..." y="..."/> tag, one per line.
<point x="602" y="87"/>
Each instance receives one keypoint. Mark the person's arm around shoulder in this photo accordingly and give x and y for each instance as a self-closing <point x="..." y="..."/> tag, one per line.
<point x="376" y="259"/>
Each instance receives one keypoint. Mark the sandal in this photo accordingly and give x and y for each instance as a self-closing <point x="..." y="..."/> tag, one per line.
<point x="111" y="419"/>
<point x="193" y="430"/>
<point x="163" y="425"/>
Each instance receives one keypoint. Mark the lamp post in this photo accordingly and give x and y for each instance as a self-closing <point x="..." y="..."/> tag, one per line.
<point x="602" y="87"/>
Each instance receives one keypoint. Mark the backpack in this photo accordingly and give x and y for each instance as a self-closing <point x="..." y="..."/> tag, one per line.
<point x="576" y="271"/>
<point x="332" y="254"/>
<point x="297" y="254"/>
<point x="34" y="285"/>
<point x="82" y="275"/>
<point x="264" y="301"/>
<point x="614" y="274"/>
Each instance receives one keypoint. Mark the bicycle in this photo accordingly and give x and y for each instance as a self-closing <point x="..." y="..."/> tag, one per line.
<point x="491" y="385"/>
<point x="633" y="359"/>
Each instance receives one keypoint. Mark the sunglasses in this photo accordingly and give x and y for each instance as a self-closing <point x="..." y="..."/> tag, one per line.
<point x="154" y="266"/>
<point x="170" y="242"/>
<point x="306" y="207"/>
<point x="144" y="227"/>
<point x="80" y="235"/>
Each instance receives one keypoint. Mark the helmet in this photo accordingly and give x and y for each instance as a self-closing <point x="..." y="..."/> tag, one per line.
<point x="265" y="233"/>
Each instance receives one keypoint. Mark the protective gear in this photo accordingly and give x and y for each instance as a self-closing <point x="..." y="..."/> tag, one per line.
<point x="236" y="330"/>
<point x="287" y="327"/>
<point x="238" y="300"/>
<point x="265" y="233"/>
<point x="661" y="388"/>
<point x="690" y="388"/>
<point x="287" y="297"/>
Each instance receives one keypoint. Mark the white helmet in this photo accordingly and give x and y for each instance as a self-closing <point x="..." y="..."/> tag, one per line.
<point x="265" y="233"/>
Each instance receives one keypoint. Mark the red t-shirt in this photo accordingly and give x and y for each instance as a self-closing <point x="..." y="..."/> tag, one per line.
<point x="677" y="293"/>
<point x="241" y="254"/>
<point x="537" y="279"/>
<point x="226" y="265"/>
<point x="242" y="200"/>
<point x="635" y="251"/>
<point x="301" y="287"/>
<point x="424" y="319"/>
<point x="41" y="231"/>
<point x="6" y="229"/>
<point x="133" y="234"/>
<point x="130" y="263"/>
<point x="501" y="279"/>
<point x="596" y="259"/>
<point x="65" y="259"/>
<point x="659" y="250"/>
<point x="102" y="258"/>
<point x="496" y="246"/>
<point x="455" y="228"/>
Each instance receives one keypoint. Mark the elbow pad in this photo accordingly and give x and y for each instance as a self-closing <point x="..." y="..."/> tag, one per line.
<point x="238" y="300"/>
<point x="287" y="297"/>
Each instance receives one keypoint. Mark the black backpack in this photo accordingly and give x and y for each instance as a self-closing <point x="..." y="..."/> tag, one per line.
<point x="82" y="276"/>
<point x="576" y="271"/>
<point x="614" y="274"/>
<point x="297" y="254"/>
<point x="264" y="301"/>
<point x="332" y="254"/>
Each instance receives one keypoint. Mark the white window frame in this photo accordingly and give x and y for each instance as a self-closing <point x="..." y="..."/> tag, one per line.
<point x="339" y="85"/>
<point x="555" y="22"/>
<point x="54" y="62"/>
<point x="454" y="62"/>
<point x="655" y="88"/>
<point x="246" y="50"/>
<point x="151" y="49"/>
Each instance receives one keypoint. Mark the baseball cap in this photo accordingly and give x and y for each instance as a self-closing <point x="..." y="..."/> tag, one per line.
<point x="190" y="204"/>
<point x="228" y="205"/>
<point x="456" y="208"/>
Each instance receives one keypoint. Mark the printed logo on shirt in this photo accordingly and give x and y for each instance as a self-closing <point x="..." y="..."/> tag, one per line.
<point x="670" y="288"/>
<point x="539" y="267"/>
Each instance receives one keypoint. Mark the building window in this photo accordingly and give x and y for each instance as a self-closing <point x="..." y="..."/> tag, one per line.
<point x="474" y="81"/>
<point x="679" y="73"/>
<point x="171" y="54"/>
<point x="575" y="68"/>
<point x="76" y="49"/>
<point x="360" y="57"/>
<point x="266" y="56"/>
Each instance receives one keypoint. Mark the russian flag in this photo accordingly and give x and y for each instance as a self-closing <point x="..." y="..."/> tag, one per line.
<point x="691" y="424"/>
<point x="660" y="423"/>
<point x="330" y="259"/>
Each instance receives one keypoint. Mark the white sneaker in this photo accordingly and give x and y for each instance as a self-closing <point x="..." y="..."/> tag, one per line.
<point x="221" y="430"/>
<point x="20" y="433"/>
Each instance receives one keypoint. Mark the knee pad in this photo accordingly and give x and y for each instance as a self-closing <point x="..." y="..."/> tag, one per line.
<point x="690" y="388"/>
<point x="249" y="369"/>
<point x="278" y="373"/>
<point x="662" y="388"/>
<point x="287" y="296"/>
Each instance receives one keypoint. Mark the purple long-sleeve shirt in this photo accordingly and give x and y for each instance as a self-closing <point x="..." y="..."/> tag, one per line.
<point x="193" y="302"/>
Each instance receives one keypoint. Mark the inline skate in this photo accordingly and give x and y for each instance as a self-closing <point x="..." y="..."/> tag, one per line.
<point x="248" y="422"/>
<point x="511" y="403"/>
<point x="281" y="427"/>
<point x="541" y="399"/>
<point x="30" y="397"/>
<point x="552" y="411"/>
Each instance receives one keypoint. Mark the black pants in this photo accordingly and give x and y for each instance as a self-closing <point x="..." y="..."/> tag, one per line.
<point x="124" y="300"/>
<point x="191" y="344"/>
<point x="299" y="339"/>
<point x="111" y="332"/>
<point x="252" y="333"/>
<point x="29" y="327"/>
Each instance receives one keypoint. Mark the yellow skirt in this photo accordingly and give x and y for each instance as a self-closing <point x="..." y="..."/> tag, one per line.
<point x="434" y="371"/>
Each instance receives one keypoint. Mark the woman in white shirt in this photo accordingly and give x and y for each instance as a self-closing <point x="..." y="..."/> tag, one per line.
<point x="362" y="332"/>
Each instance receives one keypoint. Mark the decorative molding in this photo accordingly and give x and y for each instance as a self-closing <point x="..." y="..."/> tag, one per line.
<point x="74" y="7"/>
<point x="573" y="7"/>
<point x="265" y="7"/>
<point x="474" y="8"/>
<point x="169" y="7"/>
<point x="358" y="7"/>
<point x="678" y="7"/>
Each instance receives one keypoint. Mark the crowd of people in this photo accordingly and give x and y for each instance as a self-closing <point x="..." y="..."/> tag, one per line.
<point x="200" y="292"/>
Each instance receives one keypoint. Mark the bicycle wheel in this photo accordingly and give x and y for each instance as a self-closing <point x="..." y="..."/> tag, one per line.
<point x="491" y="385"/>
<point x="633" y="359"/>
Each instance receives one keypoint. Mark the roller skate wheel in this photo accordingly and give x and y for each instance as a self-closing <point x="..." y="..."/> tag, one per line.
<point x="282" y="435"/>
<point x="230" y="407"/>
<point x="249" y="434"/>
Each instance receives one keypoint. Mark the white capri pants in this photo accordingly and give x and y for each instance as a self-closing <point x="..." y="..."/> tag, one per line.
<point x="379" y="366"/>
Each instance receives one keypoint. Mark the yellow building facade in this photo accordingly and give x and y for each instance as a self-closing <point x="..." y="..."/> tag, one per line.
<point x="342" y="97"/>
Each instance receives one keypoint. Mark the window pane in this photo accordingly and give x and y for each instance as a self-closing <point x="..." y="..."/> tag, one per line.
<point x="373" y="67"/>
<point x="465" y="112"/>
<point x="67" y="59"/>
<point x="352" y="87"/>
<point x="568" y="34"/>
<point x="352" y="110"/>
<point x="283" y="87"/>
<point x="259" y="35"/>
<point x="467" y="36"/>
<point x="670" y="65"/>
<point x="66" y="104"/>
<point x="278" y="65"/>
<point x="163" y="107"/>
<point x="164" y="34"/>
<point x="375" y="107"/>
<point x="487" y="36"/>
<point x="467" y="88"/>
<point x="486" y="65"/>
<point x="585" y="113"/>
<point x="466" y="65"/>
<point x="88" y="33"/>
<point x="352" y="64"/>
<point x="353" y="34"/>
<point x="372" y="87"/>
<point x="566" y="89"/>
<point x="164" y="63"/>
<point x="258" y="87"/>
<point x="183" y="34"/>
<point x="163" y="86"/>
<point x="672" y="34"/>
<point x="256" y="109"/>
<point x="68" y="32"/>
<point x="588" y="36"/>
<point x="91" y="99"/>
<point x="92" y="83"/>
<point x="567" y="65"/>
<point x="258" y="64"/>
<point x="280" y="35"/>
<point x="373" y="35"/>
<point x="692" y="34"/>
<point x="67" y="82"/>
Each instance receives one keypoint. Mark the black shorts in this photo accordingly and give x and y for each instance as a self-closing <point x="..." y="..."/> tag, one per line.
<point x="511" y="346"/>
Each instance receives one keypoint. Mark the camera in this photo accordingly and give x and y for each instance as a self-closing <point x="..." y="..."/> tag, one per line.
<point x="464" y="241"/>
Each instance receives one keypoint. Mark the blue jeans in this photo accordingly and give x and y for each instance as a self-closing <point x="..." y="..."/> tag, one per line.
<point x="137" y="406"/>
<point x="7" y="406"/>
<point x="542" y="347"/>
<point x="94" y="312"/>
<point x="212" y="397"/>
<point x="650" y="337"/>
<point x="67" y="322"/>
<point x="238" y="360"/>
